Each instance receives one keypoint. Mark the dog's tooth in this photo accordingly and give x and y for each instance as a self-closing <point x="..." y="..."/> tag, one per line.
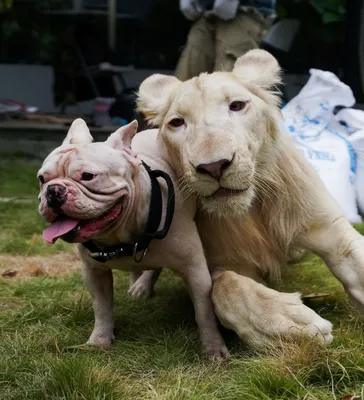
<point x="78" y="228"/>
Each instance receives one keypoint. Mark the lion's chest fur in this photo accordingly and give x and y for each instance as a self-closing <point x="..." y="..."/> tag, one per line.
<point x="241" y="243"/>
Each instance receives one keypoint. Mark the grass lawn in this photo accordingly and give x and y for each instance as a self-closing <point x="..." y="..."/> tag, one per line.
<point x="17" y="176"/>
<point x="46" y="316"/>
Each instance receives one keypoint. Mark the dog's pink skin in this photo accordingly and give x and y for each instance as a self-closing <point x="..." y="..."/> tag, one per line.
<point x="85" y="200"/>
<point x="118" y="171"/>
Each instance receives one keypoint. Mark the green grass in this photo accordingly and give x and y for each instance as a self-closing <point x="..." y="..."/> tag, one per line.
<point x="44" y="322"/>
<point x="18" y="176"/>
<point x="157" y="352"/>
<point x="21" y="231"/>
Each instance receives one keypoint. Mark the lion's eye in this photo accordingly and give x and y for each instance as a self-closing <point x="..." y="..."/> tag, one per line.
<point x="41" y="179"/>
<point x="86" y="176"/>
<point x="237" y="105"/>
<point x="176" y="122"/>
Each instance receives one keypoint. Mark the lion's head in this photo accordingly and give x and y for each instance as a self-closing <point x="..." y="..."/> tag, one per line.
<point x="219" y="129"/>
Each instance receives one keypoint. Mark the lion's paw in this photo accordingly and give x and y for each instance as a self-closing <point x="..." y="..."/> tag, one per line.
<point x="296" y="319"/>
<point x="262" y="316"/>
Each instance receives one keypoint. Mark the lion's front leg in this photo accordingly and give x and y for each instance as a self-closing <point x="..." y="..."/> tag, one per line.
<point x="342" y="249"/>
<point x="262" y="316"/>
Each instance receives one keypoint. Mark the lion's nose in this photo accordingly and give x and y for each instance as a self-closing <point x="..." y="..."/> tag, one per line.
<point x="56" y="195"/>
<point x="214" y="169"/>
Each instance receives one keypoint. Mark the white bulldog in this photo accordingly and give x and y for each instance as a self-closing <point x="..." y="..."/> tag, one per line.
<point x="99" y="195"/>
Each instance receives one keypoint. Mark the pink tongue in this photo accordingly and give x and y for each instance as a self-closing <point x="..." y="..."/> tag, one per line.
<point x="59" y="227"/>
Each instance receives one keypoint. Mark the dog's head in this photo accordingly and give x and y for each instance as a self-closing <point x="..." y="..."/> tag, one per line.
<point x="86" y="188"/>
<point x="218" y="128"/>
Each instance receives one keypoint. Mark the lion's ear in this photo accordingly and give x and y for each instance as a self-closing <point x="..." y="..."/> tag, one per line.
<point x="154" y="94"/>
<point x="258" y="67"/>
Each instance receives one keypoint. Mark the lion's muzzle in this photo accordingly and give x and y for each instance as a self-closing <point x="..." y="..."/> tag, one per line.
<point x="214" y="169"/>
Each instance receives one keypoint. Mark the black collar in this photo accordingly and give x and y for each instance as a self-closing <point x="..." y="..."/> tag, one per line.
<point x="151" y="230"/>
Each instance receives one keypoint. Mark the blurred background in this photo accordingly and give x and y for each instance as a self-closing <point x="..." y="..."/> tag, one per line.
<point x="60" y="59"/>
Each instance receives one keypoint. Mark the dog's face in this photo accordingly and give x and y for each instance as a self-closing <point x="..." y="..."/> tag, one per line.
<point x="87" y="188"/>
<point x="216" y="128"/>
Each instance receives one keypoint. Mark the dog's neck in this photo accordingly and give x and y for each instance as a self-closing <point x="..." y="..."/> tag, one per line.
<point x="139" y="207"/>
<point x="135" y="214"/>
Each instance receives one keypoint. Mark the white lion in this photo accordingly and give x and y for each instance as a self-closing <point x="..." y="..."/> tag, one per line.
<point x="259" y="200"/>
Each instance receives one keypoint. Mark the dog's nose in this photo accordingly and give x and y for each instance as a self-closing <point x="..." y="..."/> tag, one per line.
<point x="214" y="169"/>
<point x="56" y="195"/>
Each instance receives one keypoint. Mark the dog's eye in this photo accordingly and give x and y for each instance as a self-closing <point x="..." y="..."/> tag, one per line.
<point x="41" y="179"/>
<point x="237" y="105"/>
<point x="176" y="122"/>
<point x="86" y="176"/>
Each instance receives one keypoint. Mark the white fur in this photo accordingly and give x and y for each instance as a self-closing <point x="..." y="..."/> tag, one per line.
<point x="119" y="172"/>
<point x="284" y="210"/>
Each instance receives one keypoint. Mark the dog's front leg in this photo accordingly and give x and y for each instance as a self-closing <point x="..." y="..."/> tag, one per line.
<point x="99" y="282"/>
<point x="199" y="285"/>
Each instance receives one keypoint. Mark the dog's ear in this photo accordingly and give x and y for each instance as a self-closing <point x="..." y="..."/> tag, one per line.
<point x="121" y="139"/>
<point x="154" y="94"/>
<point x="258" y="67"/>
<point x="78" y="133"/>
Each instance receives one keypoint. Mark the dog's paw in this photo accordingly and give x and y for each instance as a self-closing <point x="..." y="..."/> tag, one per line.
<point x="100" y="339"/>
<point x="215" y="348"/>
<point x="141" y="288"/>
<point x="217" y="351"/>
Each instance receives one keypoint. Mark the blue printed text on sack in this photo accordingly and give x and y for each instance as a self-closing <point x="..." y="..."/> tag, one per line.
<point x="318" y="155"/>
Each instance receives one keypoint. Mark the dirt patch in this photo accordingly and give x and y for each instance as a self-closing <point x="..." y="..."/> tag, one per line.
<point x="24" y="267"/>
<point x="11" y="304"/>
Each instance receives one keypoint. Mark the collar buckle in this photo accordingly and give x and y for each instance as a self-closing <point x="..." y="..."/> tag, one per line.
<point x="135" y="251"/>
